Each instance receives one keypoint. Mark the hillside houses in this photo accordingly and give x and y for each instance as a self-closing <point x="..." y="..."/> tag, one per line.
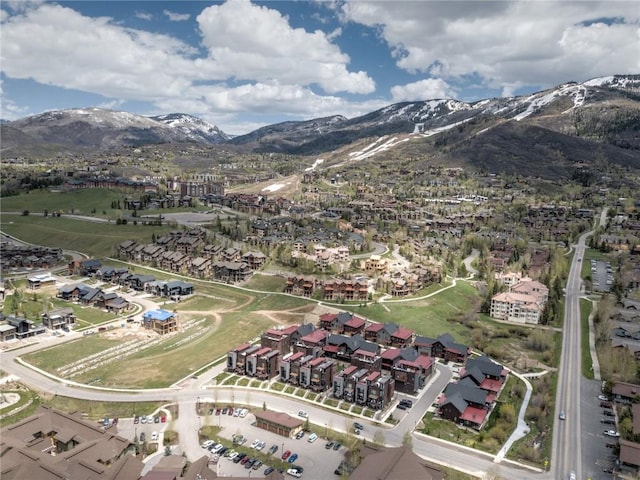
<point x="203" y="261"/>
<point x="14" y="256"/>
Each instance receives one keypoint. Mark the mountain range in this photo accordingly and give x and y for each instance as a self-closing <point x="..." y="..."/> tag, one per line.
<point x="571" y="123"/>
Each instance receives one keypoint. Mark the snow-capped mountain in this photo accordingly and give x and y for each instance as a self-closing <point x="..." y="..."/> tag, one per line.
<point x="605" y="110"/>
<point x="101" y="128"/>
<point x="194" y="128"/>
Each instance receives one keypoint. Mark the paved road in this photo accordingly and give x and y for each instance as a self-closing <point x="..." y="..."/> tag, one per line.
<point x="567" y="438"/>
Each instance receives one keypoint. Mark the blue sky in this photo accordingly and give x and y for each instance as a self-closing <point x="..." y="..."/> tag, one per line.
<point x="241" y="65"/>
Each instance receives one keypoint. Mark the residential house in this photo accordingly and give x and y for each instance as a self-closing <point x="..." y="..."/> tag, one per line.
<point x="322" y="370"/>
<point x="231" y="272"/>
<point x="444" y="347"/>
<point x="255" y="260"/>
<point x="200" y="267"/>
<point x="23" y="327"/>
<point x="464" y="404"/>
<point x="412" y="375"/>
<point x="343" y="322"/>
<point x="343" y="347"/>
<point x="160" y="321"/>
<point x="278" y="338"/>
<point x="234" y="355"/>
<point x="300" y="285"/>
<point x="345" y="290"/>
<point x="388" y="334"/>
<point x="313" y="343"/>
<point x="59" y="318"/>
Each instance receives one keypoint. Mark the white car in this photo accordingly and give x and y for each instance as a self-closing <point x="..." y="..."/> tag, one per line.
<point x="243" y="413"/>
<point x="255" y="443"/>
<point x="303" y="414"/>
<point x="207" y="443"/>
<point x="154" y="436"/>
<point x="611" y="433"/>
<point x="312" y="438"/>
<point x="294" y="472"/>
<point x="604" y="398"/>
<point x="233" y="455"/>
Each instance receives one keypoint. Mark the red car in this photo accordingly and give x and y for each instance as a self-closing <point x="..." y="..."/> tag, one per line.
<point x="230" y="411"/>
<point x="163" y="419"/>
<point x="286" y="454"/>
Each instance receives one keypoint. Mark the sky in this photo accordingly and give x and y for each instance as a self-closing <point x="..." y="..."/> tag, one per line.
<point x="242" y="64"/>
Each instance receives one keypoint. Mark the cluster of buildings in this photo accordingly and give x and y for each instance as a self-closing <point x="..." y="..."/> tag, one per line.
<point x="14" y="256"/>
<point x="188" y="253"/>
<point x="52" y="445"/>
<point x="355" y="360"/>
<point x="523" y="302"/>
<point x="469" y="400"/>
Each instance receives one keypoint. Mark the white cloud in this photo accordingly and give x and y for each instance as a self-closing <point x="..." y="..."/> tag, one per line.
<point x="144" y="16"/>
<point x="427" y="89"/>
<point x="507" y="43"/>
<point x="251" y="42"/>
<point x="176" y="17"/>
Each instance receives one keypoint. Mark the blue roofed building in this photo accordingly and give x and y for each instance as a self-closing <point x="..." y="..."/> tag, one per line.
<point x="160" y="321"/>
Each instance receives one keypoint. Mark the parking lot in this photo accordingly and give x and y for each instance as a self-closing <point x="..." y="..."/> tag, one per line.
<point x="601" y="275"/>
<point x="318" y="462"/>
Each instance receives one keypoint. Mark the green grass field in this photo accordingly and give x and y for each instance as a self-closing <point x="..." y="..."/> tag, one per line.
<point x="94" y="239"/>
<point x="81" y="202"/>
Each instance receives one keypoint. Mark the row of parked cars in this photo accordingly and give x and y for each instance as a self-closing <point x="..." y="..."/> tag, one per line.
<point x="235" y="412"/>
<point x="609" y="417"/>
<point x="149" y="419"/>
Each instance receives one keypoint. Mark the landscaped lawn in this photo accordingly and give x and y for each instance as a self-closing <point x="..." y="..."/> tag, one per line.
<point x="429" y="316"/>
<point x="93" y="238"/>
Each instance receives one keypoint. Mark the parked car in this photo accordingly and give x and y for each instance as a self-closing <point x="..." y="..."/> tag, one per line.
<point x="286" y="454"/>
<point x="603" y="397"/>
<point x="608" y="421"/>
<point x="245" y="459"/>
<point x="312" y="438"/>
<point x="218" y="410"/>
<point x="337" y="446"/>
<point x="163" y="419"/>
<point x="300" y="434"/>
<point x="611" y="433"/>
<point x="328" y="445"/>
<point x="358" y="426"/>
<point x="244" y="412"/>
<point x="294" y="473"/>
<point x="303" y="414"/>
<point x="136" y="419"/>
<point x="143" y="437"/>
<point x="608" y="413"/>
<point x="210" y="411"/>
<point x="255" y="443"/>
<point x="143" y="419"/>
<point x="156" y="419"/>
<point x="236" y="413"/>
<point x="606" y="405"/>
<point x="207" y="443"/>
<point x="256" y="464"/>
<point x="261" y="445"/>
<point x="268" y="470"/>
<point x="273" y="449"/>
<point x="293" y="458"/>
<point x="224" y="410"/>
<point x="230" y="411"/>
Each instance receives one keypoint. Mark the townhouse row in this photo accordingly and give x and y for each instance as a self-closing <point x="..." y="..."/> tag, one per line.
<point x="355" y="360"/>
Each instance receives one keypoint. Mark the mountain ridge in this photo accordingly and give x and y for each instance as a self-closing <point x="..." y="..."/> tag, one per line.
<point x="601" y="115"/>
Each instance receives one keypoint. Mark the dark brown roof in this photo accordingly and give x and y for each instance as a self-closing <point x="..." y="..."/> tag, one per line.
<point x="279" y="418"/>
<point x="630" y="453"/>
<point x="394" y="464"/>
<point x="100" y="455"/>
